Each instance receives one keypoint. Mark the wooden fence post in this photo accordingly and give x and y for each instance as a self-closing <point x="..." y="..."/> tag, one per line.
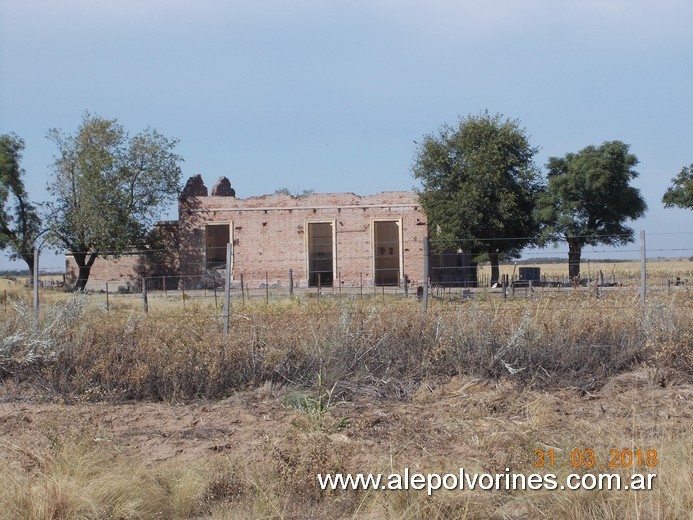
<point x="145" y="303"/>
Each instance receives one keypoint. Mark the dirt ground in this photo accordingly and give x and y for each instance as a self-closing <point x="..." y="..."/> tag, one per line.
<point x="461" y="421"/>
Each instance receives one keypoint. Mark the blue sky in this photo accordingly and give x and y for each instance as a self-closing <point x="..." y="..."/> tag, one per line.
<point x="330" y="95"/>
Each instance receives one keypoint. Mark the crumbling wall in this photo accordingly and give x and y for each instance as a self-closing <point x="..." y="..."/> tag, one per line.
<point x="269" y="234"/>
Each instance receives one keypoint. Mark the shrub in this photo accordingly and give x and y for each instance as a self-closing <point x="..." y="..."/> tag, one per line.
<point x="390" y="346"/>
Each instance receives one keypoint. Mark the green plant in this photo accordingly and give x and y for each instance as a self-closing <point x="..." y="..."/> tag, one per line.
<point x="315" y="404"/>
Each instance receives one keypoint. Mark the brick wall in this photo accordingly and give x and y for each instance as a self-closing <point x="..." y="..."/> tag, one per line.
<point x="269" y="235"/>
<point x="159" y="264"/>
<point x="119" y="273"/>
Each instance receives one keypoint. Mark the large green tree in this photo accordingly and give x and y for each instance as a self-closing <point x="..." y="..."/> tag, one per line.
<point x="19" y="219"/>
<point x="589" y="198"/>
<point x="108" y="189"/>
<point x="680" y="193"/>
<point x="479" y="187"/>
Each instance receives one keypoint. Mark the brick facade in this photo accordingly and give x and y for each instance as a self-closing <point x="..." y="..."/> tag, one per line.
<point x="273" y="234"/>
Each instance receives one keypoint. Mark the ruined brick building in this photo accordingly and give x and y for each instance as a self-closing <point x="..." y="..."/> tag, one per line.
<point x="323" y="239"/>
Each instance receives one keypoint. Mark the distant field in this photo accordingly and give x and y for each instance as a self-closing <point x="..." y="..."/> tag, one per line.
<point x="658" y="270"/>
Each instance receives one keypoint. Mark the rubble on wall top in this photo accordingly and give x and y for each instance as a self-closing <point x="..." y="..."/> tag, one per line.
<point x="316" y="200"/>
<point x="195" y="187"/>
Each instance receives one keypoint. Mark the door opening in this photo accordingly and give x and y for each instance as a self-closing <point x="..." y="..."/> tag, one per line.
<point x="216" y="238"/>
<point x="320" y="254"/>
<point x="386" y="252"/>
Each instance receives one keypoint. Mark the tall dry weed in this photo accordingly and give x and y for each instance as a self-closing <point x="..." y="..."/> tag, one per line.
<point x="387" y="345"/>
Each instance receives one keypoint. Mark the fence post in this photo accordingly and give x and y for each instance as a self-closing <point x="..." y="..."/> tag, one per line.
<point x="291" y="283"/>
<point x="425" y="272"/>
<point x="145" y="303"/>
<point x="243" y="290"/>
<point x="643" y="269"/>
<point x="266" y="288"/>
<point x="227" y="291"/>
<point x="108" y="305"/>
<point x="36" y="284"/>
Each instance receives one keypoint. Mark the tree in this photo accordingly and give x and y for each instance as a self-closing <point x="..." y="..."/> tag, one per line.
<point x="479" y="187"/>
<point x="19" y="220"/>
<point x="680" y="193"/>
<point x="108" y="189"/>
<point x="588" y="199"/>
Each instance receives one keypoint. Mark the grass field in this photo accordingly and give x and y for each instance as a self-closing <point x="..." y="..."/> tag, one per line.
<point x="127" y="415"/>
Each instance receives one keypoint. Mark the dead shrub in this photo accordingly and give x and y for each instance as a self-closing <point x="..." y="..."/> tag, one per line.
<point x="298" y="459"/>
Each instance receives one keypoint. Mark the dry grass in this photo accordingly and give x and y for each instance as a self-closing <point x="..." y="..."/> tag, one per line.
<point x="382" y="386"/>
<point x="390" y="345"/>
<point x="83" y="479"/>
<point x="477" y="424"/>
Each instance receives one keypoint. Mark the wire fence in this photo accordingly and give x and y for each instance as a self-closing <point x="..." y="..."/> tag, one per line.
<point x="166" y="278"/>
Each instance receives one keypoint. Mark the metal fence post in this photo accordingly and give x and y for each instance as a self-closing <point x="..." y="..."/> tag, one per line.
<point x="425" y="272"/>
<point x="643" y="269"/>
<point x="227" y="291"/>
<point x="36" y="283"/>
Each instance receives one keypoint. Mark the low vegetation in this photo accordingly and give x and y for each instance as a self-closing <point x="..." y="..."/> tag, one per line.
<point x="557" y="341"/>
<point x="370" y="385"/>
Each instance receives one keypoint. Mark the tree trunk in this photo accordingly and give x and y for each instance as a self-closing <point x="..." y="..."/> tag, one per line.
<point x="574" y="254"/>
<point x="84" y="262"/>
<point x="29" y="259"/>
<point x="495" y="271"/>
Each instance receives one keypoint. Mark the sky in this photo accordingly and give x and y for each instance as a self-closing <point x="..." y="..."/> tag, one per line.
<point x="331" y="95"/>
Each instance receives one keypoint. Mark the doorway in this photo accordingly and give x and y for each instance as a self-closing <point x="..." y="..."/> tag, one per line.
<point x="320" y="254"/>
<point x="386" y="252"/>
<point x="216" y="238"/>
